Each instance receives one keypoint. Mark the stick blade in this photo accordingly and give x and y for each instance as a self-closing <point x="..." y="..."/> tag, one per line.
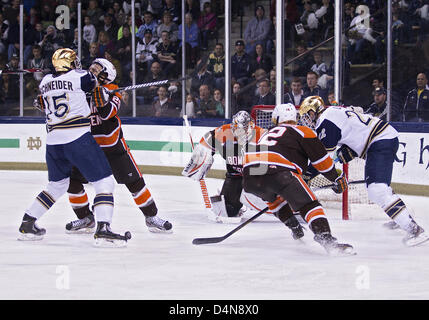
<point x="198" y="241"/>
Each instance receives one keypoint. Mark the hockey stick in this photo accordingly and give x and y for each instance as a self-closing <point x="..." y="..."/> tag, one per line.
<point x="147" y="84"/>
<point x="203" y="185"/>
<point x="220" y="239"/>
<point x="17" y="71"/>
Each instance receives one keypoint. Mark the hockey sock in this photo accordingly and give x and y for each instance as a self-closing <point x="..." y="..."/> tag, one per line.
<point x="314" y="214"/>
<point x="399" y="213"/>
<point x="80" y="204"/>
<point x="43" y="202"/>
<point x="142" y="197"/>
<point x="284" y="213"/>
<point x="103" y="207"/>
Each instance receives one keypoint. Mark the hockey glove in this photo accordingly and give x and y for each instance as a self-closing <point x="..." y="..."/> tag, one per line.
<point x="340" y="184"/>
<point x="345" y="154"/>
<point x="100" y="97"/>
<point x="201" y="162"/>
<point x="39" y="103"/>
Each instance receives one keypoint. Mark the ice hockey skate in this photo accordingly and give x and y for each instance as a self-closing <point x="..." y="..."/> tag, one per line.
<point x="332" y="247"/>
<point x="158" y="225"/>
<point x="80" y="226"/>
<point x="104" y="237"/>
<point x="416" y="235"/>
<point x="392" y="225"/>
<point x="296" y="228"/>
<point x="29" y="231"/>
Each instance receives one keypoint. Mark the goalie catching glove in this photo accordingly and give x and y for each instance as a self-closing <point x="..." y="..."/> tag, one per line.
<point x="201" y="162"/>
<point x="39" y="103"/>
<point x="100" y="96"/>
<point x="340" y="184"/>
<point x="345" y="154"/>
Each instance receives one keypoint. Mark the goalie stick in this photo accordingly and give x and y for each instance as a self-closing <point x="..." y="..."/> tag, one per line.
<point x="203" y="186"/>
<point x="198" y="241"/>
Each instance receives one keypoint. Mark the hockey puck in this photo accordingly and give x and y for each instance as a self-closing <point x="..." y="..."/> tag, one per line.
<point x="127" y="235"/>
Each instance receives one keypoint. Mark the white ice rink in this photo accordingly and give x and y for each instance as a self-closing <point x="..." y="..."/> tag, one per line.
<point x="260" y="262"/>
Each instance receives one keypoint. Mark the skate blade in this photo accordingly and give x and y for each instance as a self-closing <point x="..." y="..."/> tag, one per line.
<point x="156" y="230"/>
<point x="342" y="253"/>
<point x="81" y="231"/>
<point x="391" y="226"/>
<point x="225" y="220"/>
<point x="416" y="241"/>
<point x="109" y="243"/>
<point x="29" y="237"/>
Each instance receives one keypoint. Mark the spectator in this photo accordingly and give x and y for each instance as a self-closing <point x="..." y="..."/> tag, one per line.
<point x="193" y="8"/>
<point x="310" y="23"/>
<point x="11" y="82"/>
<point x="257" y="30"/>
<point x="47" y="15"/>
<point x="91" y="56"/>
<point x="190" y="107"/>
<point x="89" y="31"/>
<point x="260" y="60"/>
<point x="219" y="102"/>
<point x="11" y="12"/>
<point x="192" y="40"/>
<point x="416" y="107"/>
<point x="146" y="50"/>
<point x="110" y="26"/>
<point x="296" y="95"/>
<point x="162" y="106"/>
<point x="3" y="34"/>
<point x="38" y="62"/>
<point x="319" y="66"/>
<point x="312" y="88"/>
<point x="13" y="39"/>
<point x="74" y="44"/>
<point x="155" y="74"/>
<point x="33" y="17"/>
<point x="379" y="107"/>
<point x="104" y="43"/>
<point x="239" y="101"/>
<point x="51" y="42"/>
<point x="206" y="107"/>
<point x="331" y="99"/>
<point x="110" y="55"/>
<point x="170" y="6"/>
<point x="118" y="13"/>
<point x="207" y="23"/>
<point x="325" y="16"/>
<point x="216" y="65"/>
<point x="167" y="55"/>
<point x="264" y="97"/>
<point x="169" y="26"/>
<point x="240" y="64"/>
<point x="94" y="12"/>
<point x="148" y="23"/>
<point x="155" y="6"/>
<point x="203" y="76"/>
<point x="359" y="36"/>
<point x="303" y="64"/>
<point x="258" y="75"/>
<point x="38" y="33"/>
<point x="127" y="24"/>
<point x="123" y="47"/>
<point x="398" y="30"/>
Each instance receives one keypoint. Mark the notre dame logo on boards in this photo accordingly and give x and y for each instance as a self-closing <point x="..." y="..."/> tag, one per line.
<point x="34" y="143"/>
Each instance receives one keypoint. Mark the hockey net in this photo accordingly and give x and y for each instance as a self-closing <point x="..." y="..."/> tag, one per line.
<point x="355" y="196"/>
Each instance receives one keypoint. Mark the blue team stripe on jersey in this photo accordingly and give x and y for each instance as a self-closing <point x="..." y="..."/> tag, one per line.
<point x="377" y="130"/>
<point x="103" y="198"/>
<point x="45" y="199"/>
<point x="71" y="123"/>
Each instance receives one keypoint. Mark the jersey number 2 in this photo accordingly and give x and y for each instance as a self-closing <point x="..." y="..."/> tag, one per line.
<point x="268" y="138"/>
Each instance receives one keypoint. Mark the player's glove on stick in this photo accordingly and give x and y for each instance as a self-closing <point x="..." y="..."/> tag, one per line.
<point x="100" y="97"/>
<point x="39" y="103"/>
<point x="201" y="162"/>
<point x="340" y="184"/>
<point x="345" y="154"/>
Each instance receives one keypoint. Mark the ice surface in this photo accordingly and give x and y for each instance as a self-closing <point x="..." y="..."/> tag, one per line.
<point x="261" y="261"/>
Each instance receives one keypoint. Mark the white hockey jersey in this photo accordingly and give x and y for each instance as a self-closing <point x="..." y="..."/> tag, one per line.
<point x="337" y="126"/>
<point x="67" y="110"/>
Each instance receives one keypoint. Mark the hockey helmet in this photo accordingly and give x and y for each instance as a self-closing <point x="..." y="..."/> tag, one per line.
<point x="242" y="127"/>
<point x="104" y="70"/>
<point x="65" y="59"/>
<point x="310" y="110"/>
<point x="284" y="112"/>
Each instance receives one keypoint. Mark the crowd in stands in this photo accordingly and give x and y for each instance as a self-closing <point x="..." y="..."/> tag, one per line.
<point x="106" y="32"/>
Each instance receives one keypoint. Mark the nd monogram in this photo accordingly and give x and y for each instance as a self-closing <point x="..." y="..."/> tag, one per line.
<point x="34" y="143"/>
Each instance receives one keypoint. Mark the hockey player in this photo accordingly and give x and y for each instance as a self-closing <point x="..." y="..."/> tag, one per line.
<point x="69" y="143"/>
<point x="231" y="141"/>
<point x="367" y="137"/>
<point x="276" y="166"/>
<point x="107" y="131"/>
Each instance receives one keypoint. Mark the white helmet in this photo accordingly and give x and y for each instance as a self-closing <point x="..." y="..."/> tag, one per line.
<point x="284" y="112"/>
<point x="108" y="71"/>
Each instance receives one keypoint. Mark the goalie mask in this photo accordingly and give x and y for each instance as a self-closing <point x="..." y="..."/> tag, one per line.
<point x="65" y="59"/>
<point x="242" y="127"/>
<point x="310" y="110"/>
<point x="104" y="70"/>
<point x="283" y="113"/>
